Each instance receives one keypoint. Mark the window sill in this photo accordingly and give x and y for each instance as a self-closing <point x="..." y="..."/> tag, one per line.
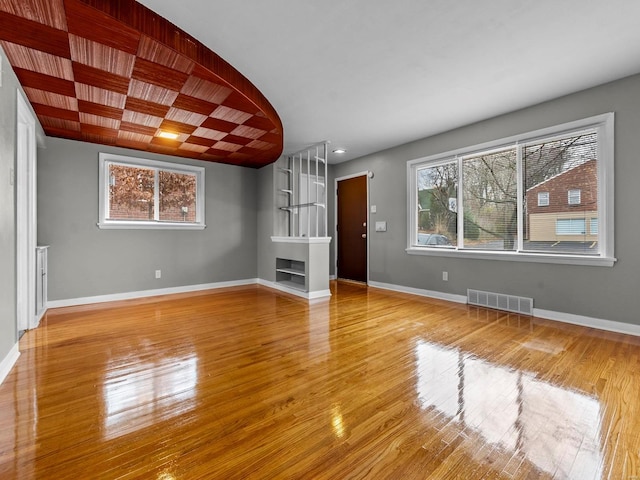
<point x="514" y="257"/>
<point x="150" y="226"/>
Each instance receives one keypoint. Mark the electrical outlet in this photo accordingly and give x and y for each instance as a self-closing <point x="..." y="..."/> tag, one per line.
<point x="158" y="273"/>
<point x="445" y="276"/>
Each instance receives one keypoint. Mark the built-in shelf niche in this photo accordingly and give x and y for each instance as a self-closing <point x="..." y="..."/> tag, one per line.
<point x="291" y="273"/>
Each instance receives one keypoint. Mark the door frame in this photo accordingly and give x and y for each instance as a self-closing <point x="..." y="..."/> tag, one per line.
<point x="367" y="175"/>
<point x="25" y="216"/>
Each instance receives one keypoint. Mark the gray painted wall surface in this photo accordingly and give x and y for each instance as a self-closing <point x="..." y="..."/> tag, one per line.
<point x="266" y="217"/>
<point x="87" y="261"/>
<point x="600" y="292"/>
<point x="8" y="102"/>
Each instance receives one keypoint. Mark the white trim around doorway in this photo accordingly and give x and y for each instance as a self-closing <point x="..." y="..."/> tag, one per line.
<point x="366" y="174"/>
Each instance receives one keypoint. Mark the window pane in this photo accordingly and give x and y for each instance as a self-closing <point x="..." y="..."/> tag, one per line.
<point x="593" y="227"/>
<point x="130" y="193"/>
<point x="490" y="201"/>
<point x="570" y="226"/>
<point x="573" y="197"/>
<point x="567" y="169"/>
<point x="177" y="197"/>
<point x="543" y="199"/>
<point x="437" y="209"/>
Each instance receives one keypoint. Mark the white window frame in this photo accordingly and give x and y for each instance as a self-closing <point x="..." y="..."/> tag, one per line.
<point x="543" y="199"/>
<point x="604" y="126"/>
<point x="574" y="196"/>
<point x="106" y="159"/>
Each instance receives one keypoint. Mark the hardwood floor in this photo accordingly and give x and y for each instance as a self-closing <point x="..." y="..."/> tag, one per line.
<point x="249" y="383"/>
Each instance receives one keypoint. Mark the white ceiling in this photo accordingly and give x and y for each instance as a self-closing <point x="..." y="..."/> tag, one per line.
<point x="371" y="74"/>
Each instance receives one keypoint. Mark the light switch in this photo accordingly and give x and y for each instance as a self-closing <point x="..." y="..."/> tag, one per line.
<point x="373" y="209"/>
<point x="381" y="226"/>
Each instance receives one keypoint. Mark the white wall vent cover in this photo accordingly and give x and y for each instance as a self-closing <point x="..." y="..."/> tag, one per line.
<point x="500" y="301"/>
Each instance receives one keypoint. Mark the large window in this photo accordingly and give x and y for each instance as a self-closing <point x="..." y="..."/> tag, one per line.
<point x="571" y="226"/>
<point x="529" y="197"/>
<point x="139" y="193"/>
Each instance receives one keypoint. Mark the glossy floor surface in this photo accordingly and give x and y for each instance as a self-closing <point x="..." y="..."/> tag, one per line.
<point x="248" y="383"/>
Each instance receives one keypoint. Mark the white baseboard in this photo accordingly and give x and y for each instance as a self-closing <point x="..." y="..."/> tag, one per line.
<point x="418" y="291"/>
<point x="581" y="320"/>
<point x="591" y="322"/>
<point x="71" y="302"/>
<point x="8" y="362"/>
<point x="36" y="320"/>
<point x="599" y="323"/>
<point x="308" y="295"/>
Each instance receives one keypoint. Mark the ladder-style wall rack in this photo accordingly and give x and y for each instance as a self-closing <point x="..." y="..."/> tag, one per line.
<point x="306" y="191"/>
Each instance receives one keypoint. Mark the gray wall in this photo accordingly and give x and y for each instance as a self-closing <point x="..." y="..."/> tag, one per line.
<point x="8" y="92"/>
<point x="266" y="216"/>
<point x="87" y="261"/>
<point x="600" y="292"/>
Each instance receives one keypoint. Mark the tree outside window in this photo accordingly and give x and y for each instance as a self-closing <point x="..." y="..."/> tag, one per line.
<point x="513" y="197"/>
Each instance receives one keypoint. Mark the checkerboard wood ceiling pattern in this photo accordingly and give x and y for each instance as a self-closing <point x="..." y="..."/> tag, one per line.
<point x="113" y="72"/>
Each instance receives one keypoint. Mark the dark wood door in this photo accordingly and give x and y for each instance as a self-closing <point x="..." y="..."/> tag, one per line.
<point x="352" y="229"/>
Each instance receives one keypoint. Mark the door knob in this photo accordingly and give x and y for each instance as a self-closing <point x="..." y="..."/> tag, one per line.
<point x="364" y="235"/>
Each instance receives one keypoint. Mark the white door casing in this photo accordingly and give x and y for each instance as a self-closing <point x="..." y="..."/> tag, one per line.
<point x="25" y="216"/>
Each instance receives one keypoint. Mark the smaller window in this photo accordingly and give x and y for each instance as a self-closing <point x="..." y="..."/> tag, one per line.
<point x="593" y="226"/>
<point x="141" y="193"/>
<point x="543" y="199"/>
<point x="570" y="226"/>
<point x="573" y="197"/>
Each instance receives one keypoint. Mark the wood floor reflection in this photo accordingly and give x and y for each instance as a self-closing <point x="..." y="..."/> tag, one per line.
<point x="249" y="383"/>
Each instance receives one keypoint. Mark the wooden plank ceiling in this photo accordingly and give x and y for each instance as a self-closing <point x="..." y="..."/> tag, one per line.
<point x="113" y="72"/>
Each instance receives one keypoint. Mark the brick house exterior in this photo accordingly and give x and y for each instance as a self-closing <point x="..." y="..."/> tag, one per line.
<point x="556" y="219"/>
<point x="141" y="212"/>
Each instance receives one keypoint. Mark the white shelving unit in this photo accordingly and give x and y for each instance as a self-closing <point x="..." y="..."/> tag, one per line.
<point x="305" y="191"/>
<point x="301" y="242"/>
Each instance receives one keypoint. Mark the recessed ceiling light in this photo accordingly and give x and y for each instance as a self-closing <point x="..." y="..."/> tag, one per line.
<point x="339" y="150"/>
<point x="170" y="135"/>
